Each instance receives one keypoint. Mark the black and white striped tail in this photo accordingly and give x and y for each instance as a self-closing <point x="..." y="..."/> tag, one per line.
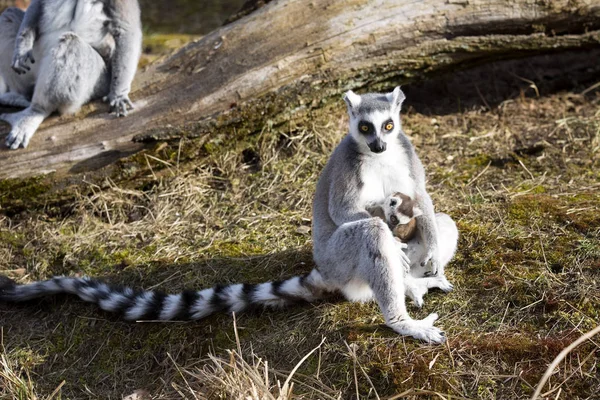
<point x="188" y="305"/>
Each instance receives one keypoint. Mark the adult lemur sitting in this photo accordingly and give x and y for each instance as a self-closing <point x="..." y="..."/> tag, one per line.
<point x="60" y="54"/>
<point x="354" y="252"/>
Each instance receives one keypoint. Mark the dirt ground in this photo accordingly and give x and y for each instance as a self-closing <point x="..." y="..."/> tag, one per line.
<point x="512" y="154"/>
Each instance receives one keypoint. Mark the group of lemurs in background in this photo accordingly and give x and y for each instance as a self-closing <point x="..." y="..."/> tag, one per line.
<point x="67" y="52"/>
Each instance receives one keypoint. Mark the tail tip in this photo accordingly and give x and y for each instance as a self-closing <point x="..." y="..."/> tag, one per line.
<point x="6" y="286"/>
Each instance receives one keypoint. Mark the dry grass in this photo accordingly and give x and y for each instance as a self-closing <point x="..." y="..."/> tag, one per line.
<point x="15" y="379"/>
<point x="521" y="180"/>
<point x="237" y="378"/>
<point x="13" y="383"/>
<point x="559" y="358"/>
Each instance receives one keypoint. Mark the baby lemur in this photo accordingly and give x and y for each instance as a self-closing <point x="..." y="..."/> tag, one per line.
<point x="354" y="252"/>
<point x="399" y="211"/>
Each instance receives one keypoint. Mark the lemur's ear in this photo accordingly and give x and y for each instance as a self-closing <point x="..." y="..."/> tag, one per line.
<point x="417" y="212"/>
<point x="396" y="98"/>
<point x="352" y="99"/>
<point x="396" y="200"/>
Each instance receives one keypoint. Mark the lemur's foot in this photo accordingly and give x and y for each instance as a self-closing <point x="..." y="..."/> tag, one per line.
<point x="18" y="137"/>
<point x="421" y="329"/>
<point x="441" y="283"/>
<point x="415" y="291"/>
<point x="416" y="288"/>
<point x="119" y="104"/>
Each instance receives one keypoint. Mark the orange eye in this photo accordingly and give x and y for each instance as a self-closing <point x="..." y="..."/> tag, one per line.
<point x="389" y="126"/>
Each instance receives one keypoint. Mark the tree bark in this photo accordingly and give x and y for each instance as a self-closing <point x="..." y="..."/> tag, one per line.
<point x="291" y="55"/>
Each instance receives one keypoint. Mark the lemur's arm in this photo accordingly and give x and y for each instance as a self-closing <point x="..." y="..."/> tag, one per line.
<point x="25" y="39"/>
<point x="426" y="222"/>
<point x="343" y="206"/>
<point x="126" y="28"/>
<point x="344" y="195"/>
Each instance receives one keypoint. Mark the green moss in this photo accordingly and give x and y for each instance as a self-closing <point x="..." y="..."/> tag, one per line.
<point x="526" y="209"/>
<point x="588" y="248"/>
<point x="532" y="189"/>
<point x="13" y="239"/>
<point x="223" y="340"/>
<point x="18" y="195"/>
<point x="572" y="212"/>
<point x="25" y="358"/>
<point x="161" y="43"/>
<point x="187" y="15"/>
<point x="18" y="188"/>
<point x="481" y="160"/>
<point x="237" y="249"/>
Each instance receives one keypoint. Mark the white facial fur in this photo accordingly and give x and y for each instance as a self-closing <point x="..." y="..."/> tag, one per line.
<point x="390" y="210"/>
<point x="376" y="112"/>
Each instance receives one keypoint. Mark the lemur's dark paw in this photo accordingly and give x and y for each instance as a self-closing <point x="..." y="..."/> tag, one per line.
<point x="19" y="62"/>
<point x="119" y="105"/>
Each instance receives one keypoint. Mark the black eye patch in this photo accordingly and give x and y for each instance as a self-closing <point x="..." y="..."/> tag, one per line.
<point x="388" y="125"/>
<point x="366" y="127"/>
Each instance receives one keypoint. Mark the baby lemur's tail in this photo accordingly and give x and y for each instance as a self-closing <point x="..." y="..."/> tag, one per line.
<point x="188" y="305"/>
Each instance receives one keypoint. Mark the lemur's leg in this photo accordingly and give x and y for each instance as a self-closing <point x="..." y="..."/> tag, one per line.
<point x="416" y="284"/>
<point x="14" y="100"/>
<point x="71" y="73"/>
<point x="365" y="253"/>
<point x="19" y="87"/>
<point x="447" y="239"/>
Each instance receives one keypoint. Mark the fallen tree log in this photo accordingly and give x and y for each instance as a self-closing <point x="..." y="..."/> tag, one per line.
<point x="291" y="55"/>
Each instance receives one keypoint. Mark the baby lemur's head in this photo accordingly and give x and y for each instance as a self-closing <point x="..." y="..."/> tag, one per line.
<point x="399" y="212"/>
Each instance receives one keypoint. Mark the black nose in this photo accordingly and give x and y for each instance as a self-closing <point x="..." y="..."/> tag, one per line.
<point x="377" y="146"/>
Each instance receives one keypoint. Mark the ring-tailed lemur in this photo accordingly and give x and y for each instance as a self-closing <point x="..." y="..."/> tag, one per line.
<point x="354" y="252"/>
<point x="60" y="54"/>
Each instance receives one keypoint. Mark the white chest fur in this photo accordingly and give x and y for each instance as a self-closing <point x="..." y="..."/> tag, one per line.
<point x="57" y="15"/>
<point x="384" y="174"/>
<point x="84" y="17"/>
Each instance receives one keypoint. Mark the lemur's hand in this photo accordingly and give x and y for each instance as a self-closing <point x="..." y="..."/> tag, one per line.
<point x="403" y="257"/>
<point x="432" y="259"/>
<point x="401" y="245"/>
<point x="119" y="104"/>
<point x="20" y="60"/>
<point x="405" y="262"/>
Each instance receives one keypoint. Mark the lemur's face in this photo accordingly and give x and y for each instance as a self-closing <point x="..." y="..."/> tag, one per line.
<point x="374" y="118"/>
<point x="399" y="209"/>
